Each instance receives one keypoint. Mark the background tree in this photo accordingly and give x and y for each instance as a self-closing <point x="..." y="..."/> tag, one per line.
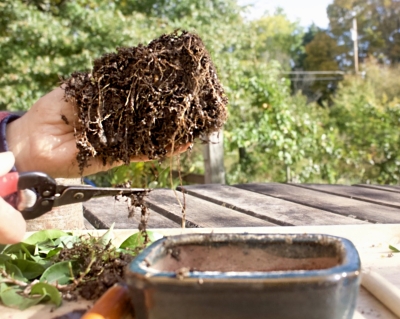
<point x="42" y="41"/>
<point x="378" y="27"/>
<point x="300" y="54"/>
<point x="276" y="38"/>
<point x="270" y="134"/>
<point x="368" y="138"/>
<point x="321" y="55"/>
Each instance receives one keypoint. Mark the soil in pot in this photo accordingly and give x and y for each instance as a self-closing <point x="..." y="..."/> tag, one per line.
<point x="242" y="258"/>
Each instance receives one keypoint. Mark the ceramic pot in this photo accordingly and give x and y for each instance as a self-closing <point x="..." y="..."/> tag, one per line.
<point x="232" y="276"/>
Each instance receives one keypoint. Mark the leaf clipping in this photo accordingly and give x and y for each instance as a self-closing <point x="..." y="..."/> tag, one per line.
<point x="52" y="264"/>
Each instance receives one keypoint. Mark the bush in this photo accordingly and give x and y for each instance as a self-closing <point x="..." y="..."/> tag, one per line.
<point x="368" y="128"/>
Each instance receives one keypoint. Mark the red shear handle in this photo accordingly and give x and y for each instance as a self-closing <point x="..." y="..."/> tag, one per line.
<point x="8" y="184"/>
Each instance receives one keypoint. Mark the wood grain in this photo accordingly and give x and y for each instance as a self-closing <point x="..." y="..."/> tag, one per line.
<point x="199" y="213"/>
<point x="381" y="197"/>
<point x="268" y="208"/>
<point x="388" y="188"/>
<point x="332" y="203"/>
<point x="102" y="212"/>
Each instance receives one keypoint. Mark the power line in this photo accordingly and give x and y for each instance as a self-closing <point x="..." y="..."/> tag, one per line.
<point x="314" y="72"/>
<point x="316" y="79"/>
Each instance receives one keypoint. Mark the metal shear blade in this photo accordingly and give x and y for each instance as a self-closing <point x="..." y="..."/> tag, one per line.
<point x="49" y="194"/>
<point x="81" y="193"/>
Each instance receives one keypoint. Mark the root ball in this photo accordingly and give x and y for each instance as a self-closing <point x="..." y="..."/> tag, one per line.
<point x="143" y="100"/>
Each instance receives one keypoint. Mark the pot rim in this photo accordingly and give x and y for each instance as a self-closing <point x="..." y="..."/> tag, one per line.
<point x="349" y="267"/>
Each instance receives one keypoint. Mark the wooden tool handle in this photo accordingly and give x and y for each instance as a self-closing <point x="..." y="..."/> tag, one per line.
<point x="382" y="289"/>
<point x="112" y="305"/>
<point x="8" y="184"/>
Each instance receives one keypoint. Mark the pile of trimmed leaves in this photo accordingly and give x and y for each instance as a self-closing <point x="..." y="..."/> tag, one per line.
<point x="52" y="265"/>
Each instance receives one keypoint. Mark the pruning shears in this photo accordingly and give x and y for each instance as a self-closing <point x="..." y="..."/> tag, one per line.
<point x="38" y="193"/>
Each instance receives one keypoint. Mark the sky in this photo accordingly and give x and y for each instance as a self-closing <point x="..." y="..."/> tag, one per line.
<point x="305" y="11"/>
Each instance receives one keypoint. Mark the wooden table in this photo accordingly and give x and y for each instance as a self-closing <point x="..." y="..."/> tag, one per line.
<point x="367" y="215"/>
<point x="214" y="206"/>
<point x="250" y="205"/>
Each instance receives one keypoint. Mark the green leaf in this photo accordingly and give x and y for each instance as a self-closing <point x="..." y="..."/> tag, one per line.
<point x="11" y="298"/>
<point x="29" y="269"/>
<point x="42" y="261"/>
<point x="53" y="252"/>
<point x="3" y="259"/>
<point x="58" y="273"/>
<point x="137" y="239"/>
<point x="49" y="291"/>
<point x="45" y="235"/>
<point x="66" y="241"/>
<point x="2" y="247"/>
<point x="3" y="286"/>
<point x="19" y="248"/>
<point x="395" y="248"/>
<point x="107" y="236"/>
<point x="14" y="271"/>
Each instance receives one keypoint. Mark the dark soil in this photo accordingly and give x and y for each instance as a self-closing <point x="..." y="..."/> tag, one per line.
<point x="146" y="100"/>
<point x="97" y="268"/>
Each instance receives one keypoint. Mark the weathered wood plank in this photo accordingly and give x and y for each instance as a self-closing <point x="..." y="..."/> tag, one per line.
<point x="102" y="212"/>
<point x="388" y="188"/>
<point x="332" y="203"/>
<point x="213" y="154"/>
<point x="199" y="213"/>
<point x="87" y="224"/>
<point x="269" y="208"/>
<point x="380" y="197"/>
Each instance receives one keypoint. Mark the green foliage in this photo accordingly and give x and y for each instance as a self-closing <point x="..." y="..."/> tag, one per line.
<point x="39" y="47"/>
<point x="378" y="28"/>
<point x="394" y="248"/>
<point x="383" y="79"/>
<point x="270" y="135"/>
<point x="368" y="126"/>
<point x="30" y="273"/>
<point x="321" y="53"/>
<point x="274" y="37"/>
<point x="278" y="136"/>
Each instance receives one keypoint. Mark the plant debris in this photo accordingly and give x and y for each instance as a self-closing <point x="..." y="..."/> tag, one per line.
<point x="99" y="267"/>
<point x="146" y="100"/>
<point x="136" y="200"/>
<point x="52" y="265"/>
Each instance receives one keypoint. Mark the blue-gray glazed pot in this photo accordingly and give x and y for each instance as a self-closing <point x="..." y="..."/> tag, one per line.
<point x="252" y="276"/>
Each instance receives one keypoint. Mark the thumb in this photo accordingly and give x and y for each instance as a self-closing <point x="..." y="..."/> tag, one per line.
<point x="13" y="226"/>
<point x="6" y="162"/>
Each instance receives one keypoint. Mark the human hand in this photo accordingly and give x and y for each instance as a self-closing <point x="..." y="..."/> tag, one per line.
<point x="42" y="141"/>
<point x="12" y="225"/>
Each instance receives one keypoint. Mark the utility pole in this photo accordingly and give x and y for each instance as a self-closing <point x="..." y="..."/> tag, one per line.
<point x="354" y="37"/>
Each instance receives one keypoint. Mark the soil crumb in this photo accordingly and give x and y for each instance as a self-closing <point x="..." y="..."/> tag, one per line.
<point x="146" y="100"/>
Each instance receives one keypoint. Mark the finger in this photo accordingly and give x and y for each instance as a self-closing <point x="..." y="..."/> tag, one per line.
<point x="96" y="165"/>
<point x="13" y="225"/>
<point x="7" y="162"/>
<point x="179" y="149"/>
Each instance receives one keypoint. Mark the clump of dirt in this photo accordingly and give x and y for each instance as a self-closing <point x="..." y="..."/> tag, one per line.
<point x="146" y="100"/>
<point x="97" y="268"/>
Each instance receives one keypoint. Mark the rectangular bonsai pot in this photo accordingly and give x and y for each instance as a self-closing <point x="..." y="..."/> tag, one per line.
<point x="237" y="276"/>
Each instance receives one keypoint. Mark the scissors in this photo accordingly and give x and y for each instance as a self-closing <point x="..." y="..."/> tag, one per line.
<point x="38" y="193"/>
